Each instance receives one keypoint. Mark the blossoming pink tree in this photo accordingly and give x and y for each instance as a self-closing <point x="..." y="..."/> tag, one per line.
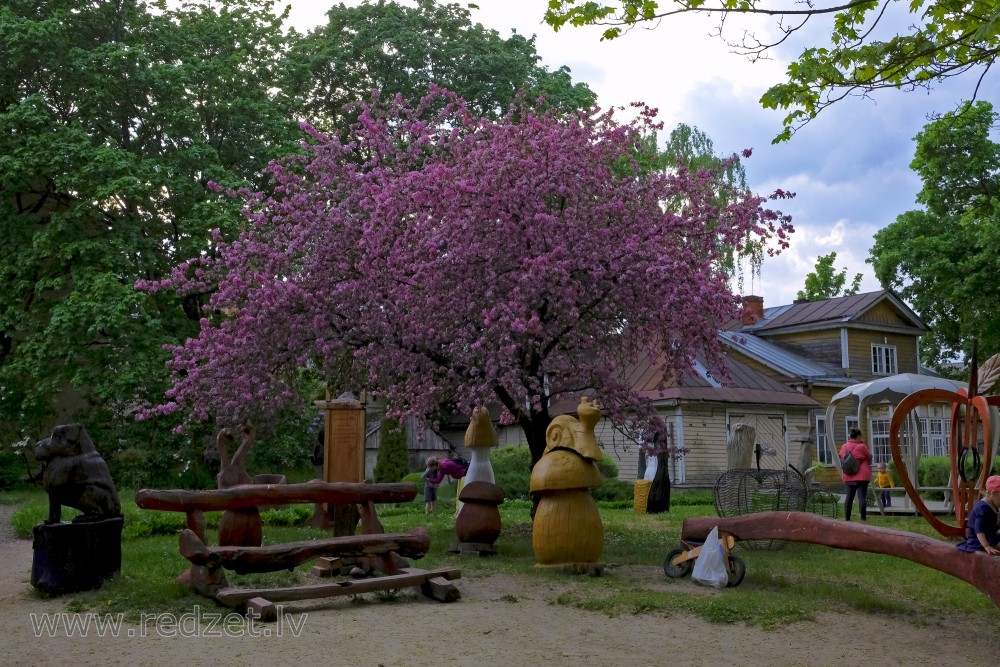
<point x="445" y="258"/>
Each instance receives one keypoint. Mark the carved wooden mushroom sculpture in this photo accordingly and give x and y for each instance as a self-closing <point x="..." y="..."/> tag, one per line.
<point x="479" y="438"/>
<point x="567" y="529"/>
<point x="479" y="521"/>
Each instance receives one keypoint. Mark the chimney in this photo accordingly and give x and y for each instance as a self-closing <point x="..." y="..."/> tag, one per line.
<point x="753" y="309"/>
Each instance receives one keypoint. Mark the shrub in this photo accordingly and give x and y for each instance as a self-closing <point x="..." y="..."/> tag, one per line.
<point x="12" y="471"/>
<point x="391" y="465"/>
<point x="608" y="468"/>
<point x="934" y="471"/>
<point x="512" y="470"/>
<point x="614" y="490"/>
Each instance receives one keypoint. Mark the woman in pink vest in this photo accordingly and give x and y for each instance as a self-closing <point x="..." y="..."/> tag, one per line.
<point x="857" y="484"/>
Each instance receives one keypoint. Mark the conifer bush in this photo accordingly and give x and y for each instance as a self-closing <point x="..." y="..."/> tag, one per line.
<point x="392" y="462"/>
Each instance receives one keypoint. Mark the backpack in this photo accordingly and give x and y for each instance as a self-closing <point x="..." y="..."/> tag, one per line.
<point x="849" y="464"/>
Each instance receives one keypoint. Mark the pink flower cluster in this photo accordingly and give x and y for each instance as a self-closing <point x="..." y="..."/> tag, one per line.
<point x="451" y="258"/>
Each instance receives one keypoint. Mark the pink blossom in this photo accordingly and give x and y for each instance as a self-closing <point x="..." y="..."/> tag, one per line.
<point x="444" y="258"/>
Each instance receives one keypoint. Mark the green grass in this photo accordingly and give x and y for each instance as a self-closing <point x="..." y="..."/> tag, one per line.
<point x="783" y="586"/>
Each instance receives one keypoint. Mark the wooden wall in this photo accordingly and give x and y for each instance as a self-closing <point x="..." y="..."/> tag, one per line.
<point x="859" y="350"/>
<point x="822" y="346"/>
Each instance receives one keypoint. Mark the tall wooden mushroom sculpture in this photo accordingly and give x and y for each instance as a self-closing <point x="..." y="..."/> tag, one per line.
<point x="478" y="523"/>
<point x="567" y="531"/>
<point x="479" y="438"/>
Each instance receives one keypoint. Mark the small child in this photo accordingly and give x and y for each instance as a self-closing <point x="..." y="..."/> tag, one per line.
<point x="431" y="474"/>
<point x="883" y="480"/>
<point x="981" y="527"/>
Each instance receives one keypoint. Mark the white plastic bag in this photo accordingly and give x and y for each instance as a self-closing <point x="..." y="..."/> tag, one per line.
<point x="710" y="566"/>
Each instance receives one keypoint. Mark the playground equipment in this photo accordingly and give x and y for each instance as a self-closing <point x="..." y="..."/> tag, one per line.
<point x="680" y="561"/>
<point x="978" y="569"/>
<point x="973" y="441"/>
<point x="376" y="555"/>
<point x="972" y="447"/>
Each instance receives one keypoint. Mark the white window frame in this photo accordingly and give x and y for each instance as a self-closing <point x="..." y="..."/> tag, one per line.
<point x="824" y="453"/>
<point x="937" y="436"/>
<point x="884" y="359"/>
<point x="878" y="430"/>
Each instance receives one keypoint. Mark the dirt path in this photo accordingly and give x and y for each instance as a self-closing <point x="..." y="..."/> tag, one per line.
<point x="502" y="621"/>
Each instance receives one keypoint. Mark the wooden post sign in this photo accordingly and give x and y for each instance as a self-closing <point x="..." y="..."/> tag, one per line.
<point x="343" y="454"/>
<point x="344" y="448"/>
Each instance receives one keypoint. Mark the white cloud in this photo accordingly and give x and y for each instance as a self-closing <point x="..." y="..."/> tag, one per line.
<point x="849" y="167"/>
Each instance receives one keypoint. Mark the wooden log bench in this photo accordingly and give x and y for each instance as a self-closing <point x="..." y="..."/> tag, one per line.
<point x="978" y="569"/>
<point x="374" y="552"/>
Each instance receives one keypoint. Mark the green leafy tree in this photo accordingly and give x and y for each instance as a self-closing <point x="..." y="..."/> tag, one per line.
<point x="402" y="50"/>
<point x="944" y="39"/>
<point x="943" y="258"/>
<point x="114" y="116"/>
<point x="827" y="283"/>
<point x="114" y="119"/>
<point x="392" y="462"/>
<point x="690" y="147"/>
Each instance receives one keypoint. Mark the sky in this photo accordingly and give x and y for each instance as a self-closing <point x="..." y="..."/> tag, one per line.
<point x="849" y="167"/>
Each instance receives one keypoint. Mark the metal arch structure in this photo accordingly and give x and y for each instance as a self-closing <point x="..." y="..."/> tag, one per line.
<point x="892" y="390"/>
<point x="970" y="454"/>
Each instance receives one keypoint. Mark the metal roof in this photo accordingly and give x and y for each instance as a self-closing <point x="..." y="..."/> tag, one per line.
<point x="831" y="311"/>
<point x="737" y="384"/>
<point x="777" y="358"/>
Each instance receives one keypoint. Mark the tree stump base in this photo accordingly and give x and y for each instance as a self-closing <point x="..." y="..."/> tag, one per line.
<point x="70" y="557"/>
<point x="478" y="549"/>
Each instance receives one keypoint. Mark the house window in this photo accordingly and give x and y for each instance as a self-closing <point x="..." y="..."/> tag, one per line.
<point x="823" y="452"/>
<point x="849" y="423"/>
<point x="879" y="445"/>
<point x="884" y="359"/>
<point x="936" y="435"/>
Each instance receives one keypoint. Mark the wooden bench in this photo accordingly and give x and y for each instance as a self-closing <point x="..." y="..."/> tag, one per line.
<point x="375" y="554"/>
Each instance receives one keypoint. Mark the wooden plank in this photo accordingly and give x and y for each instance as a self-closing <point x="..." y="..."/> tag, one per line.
<point x="327" y="567"/>
<point x="254" y="495"/>
<point x="440" y="589"/>
<point x="233" y="597"/>
<point x="242" y="560"/>
<point x="262" y="609"/>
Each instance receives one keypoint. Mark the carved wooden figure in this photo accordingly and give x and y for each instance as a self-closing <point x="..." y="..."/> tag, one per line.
<point x="567" y="529"/>
<point x="478" y="524"/>
<point x="76" y="476"/>
<point x="479" y="438"/>
<point x="83" y="554"/>
<point x="237" y="527"/>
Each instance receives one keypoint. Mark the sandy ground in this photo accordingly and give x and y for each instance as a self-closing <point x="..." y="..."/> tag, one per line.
<point x="507" y="621"/>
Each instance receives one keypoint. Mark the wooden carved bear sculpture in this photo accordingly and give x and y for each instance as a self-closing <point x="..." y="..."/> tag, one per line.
<point x="567" y="527"/>
<point x="76" y="475"/>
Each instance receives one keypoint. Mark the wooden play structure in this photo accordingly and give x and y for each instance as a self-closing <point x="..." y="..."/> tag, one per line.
<point x="972" y="448"/>
<point x="376" y="558"/>
<point x="978" y="569"/>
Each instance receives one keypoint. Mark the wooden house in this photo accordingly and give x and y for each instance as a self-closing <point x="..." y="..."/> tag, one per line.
<point x="701" y="408"/>
<point x="783" y="366"/>
<point x="822" y="347"/>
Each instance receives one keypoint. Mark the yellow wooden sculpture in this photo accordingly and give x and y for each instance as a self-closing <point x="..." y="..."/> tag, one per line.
<point x="567" y="529"/>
